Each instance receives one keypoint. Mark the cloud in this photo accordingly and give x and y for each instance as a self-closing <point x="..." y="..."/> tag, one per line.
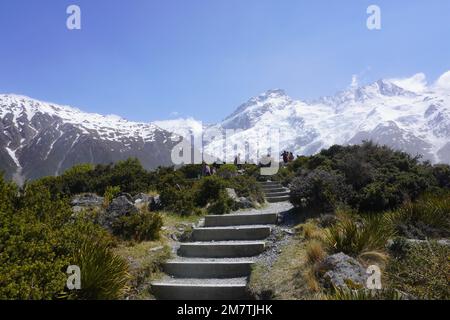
<point x="354" y="83"/>
<point x="174" y="114"/>
<point x="443" y="82"/>
<point x="416" y="83"/>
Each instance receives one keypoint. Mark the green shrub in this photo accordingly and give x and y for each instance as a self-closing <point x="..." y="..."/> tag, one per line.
<point x="141" y="226"/>
<point x="246" y="186"/>
<point x="179" y="201"/>
<point x="227" y="171"/>
<point x="423" y="272"/>
<point x="222" y="205"/>
<point x="209" y="188"/>
<point x="319" y="190"/>
<point x="378" y="196"/>
<point x="104" y="275"/>
<point x="38" y="238"/>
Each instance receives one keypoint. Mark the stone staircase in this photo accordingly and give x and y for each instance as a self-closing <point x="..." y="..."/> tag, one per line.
<point x="216" y="265"/>
<point x="274" y="191"/>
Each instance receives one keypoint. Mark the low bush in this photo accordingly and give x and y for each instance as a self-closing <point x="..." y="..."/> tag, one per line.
<point x="422" y="272"/>
<point x="227" y="171"/>
<point x="142" y="226"/>
<point x="319" y="191"/>
<point x="209" y="188"/>
<point x="181" y="202"/>
<point x="222" y="205"/>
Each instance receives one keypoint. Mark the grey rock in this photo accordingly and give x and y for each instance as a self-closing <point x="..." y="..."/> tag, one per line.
<point x="154" y="203"/>
<point x="141" y="198"/>
<point x="244" y="203"/>
<point x="87" y="200"/>
<point x="343" y="271"/>
<point x="119" y="207"/>
<point x="232" y="194"/>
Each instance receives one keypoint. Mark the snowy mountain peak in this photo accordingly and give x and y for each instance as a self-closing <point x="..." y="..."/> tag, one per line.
<point x="406" y="114"/>
<point x="40" y="138"/>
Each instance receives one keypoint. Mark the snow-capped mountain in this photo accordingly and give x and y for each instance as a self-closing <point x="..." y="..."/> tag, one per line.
<point x="39" y="139"/>
<point x="406" y="114"/>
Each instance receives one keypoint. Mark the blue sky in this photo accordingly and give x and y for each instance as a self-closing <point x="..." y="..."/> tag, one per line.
<point x="150" y="59"/>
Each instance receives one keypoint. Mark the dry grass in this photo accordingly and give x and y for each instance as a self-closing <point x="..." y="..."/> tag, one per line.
<point x="285" y="279"/>
<point x="315" y="251"/>
<point x="145" y="260"/>
<point x="310" y="230"/>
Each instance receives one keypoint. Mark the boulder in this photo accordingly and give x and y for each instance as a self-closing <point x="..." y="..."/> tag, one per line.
<point x="86" y="200"/>
<point x="154" y="203"/>
<point x="342" y="271"/>
<point x="141" y="199"/>
<point x="244" y="203"/>
<point x="232" y="194"/>
<point x="120" y="206"/>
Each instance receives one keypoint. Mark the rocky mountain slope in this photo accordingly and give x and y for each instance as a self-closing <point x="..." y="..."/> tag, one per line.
<point x="39" y="139"/>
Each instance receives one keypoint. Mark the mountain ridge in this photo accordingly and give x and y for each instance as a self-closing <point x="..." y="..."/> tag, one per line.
<point x="41" y="138"/>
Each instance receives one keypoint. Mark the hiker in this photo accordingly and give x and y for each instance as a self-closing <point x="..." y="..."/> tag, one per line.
<point x="214" y="169"/>
<point x="237" y="160"/>
<point x="206" y="170"/>
<point x="291" y="157"/>
<point x="285" y="157"/>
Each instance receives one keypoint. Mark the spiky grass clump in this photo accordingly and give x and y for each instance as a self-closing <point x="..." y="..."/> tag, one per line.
<point x="365" y="238"/>
<point x="310" y="230"/>
<point x="315" y="251"/>
<point x="429" y="216"/>
<point x="104" y="275"/>
<point x="364" y="294"/>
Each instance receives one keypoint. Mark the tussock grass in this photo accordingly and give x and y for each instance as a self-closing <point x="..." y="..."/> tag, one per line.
<point x="364" y="294"/>
<point x="310" y="230"/>
<point x="315" y="251"/>
<point x="365" y="238"/>
<point x="104" y="274"/>
<point x="430" y="215"/>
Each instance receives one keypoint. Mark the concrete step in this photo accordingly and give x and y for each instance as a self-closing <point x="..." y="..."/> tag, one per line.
<point x="276" y="194"/>
<point x="224" y="249"/>
<point x="278" y="189"/>
<point x="208" y="269"/>
<point x="240" y="219"/>
<point x="231" y="233"/>
<point x="277" y="199"/>
<point x="193" y="289"/>
<point x="270" y="184"/>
